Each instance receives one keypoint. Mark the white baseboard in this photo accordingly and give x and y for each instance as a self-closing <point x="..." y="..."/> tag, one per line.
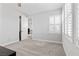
<point x="5" y="44"/>
<point x="48" y="41"/>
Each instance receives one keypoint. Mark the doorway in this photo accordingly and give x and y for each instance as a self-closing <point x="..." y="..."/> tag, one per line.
<point x="23" y="27"/>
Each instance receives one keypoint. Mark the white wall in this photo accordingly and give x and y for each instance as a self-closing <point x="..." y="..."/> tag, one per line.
<point x="9" y="30"/>
<point x="69" y="47"/>
<point x="0" y="20"/>
<point x="40" y="26"/>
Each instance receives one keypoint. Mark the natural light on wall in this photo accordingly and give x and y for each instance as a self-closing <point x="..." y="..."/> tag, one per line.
<point x="77" y="21"/>
<point x="77" y="25"/>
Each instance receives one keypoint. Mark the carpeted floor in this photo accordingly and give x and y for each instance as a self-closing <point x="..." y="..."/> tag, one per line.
<point x="37" y="48"/>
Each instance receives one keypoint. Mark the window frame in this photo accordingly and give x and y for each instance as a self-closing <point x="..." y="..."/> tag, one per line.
<point x="55" y="25"/>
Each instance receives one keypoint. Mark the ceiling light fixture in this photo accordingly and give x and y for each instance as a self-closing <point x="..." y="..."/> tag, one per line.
<point x="19" y="4"/>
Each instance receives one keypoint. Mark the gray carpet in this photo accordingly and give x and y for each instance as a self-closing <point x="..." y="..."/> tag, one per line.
<point x="37" y="48"/>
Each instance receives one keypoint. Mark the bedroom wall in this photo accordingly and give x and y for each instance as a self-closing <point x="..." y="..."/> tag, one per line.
<point x="9" y="29"/>
<point x="40" y="27"/>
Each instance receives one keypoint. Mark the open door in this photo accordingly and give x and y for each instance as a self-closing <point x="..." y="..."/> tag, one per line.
<point x="24" y="27"/>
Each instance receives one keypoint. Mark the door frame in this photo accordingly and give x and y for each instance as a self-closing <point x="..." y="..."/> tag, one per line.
<point x="20" y="17"/>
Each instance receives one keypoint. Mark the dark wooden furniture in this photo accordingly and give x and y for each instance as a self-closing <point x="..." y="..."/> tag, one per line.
<point x="6" y="52"/>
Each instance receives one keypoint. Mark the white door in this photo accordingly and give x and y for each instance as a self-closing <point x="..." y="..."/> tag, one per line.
<point x="24" y="27"/>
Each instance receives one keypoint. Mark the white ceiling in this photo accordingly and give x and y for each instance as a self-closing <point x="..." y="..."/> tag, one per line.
<point x="33" y="8"/>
